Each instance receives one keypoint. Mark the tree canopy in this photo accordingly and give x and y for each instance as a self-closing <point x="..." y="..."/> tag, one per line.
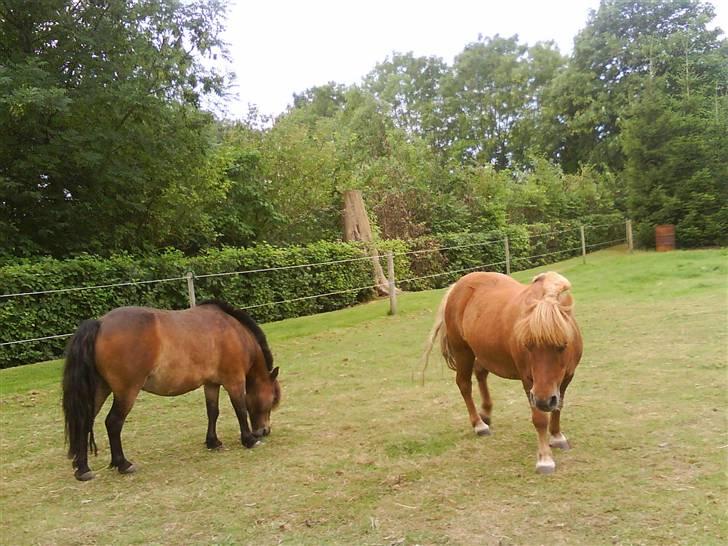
<point x="106" y="146"/>
<point x="103" y="142"/>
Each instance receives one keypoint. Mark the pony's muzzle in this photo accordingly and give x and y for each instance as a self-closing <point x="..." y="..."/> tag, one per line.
<point x="259" y="433"/>
<point x="544" y="404"/>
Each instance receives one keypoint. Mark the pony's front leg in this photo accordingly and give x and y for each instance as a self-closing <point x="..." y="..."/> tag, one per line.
<point x="558" y="440"/>
<point x="545" y="463"/>
<point x="237" y="397"/>
<point x="212" y="398"/>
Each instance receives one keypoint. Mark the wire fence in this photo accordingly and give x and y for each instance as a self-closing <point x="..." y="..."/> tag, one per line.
<point x="504" y="265"/>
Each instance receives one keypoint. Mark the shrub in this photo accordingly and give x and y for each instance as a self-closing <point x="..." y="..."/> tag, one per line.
<point x="27" y="317"/>
<point x="275" y="290"/>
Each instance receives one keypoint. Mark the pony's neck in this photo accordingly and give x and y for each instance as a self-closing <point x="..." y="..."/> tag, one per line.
<point x="259" y="371"/>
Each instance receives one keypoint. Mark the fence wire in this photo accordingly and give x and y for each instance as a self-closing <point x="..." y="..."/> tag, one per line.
<point x="282" y="268"/>
<point x="302" y="298"/>
<point x="487" y="242"/>
<point x="95" y="287"/>
<point x="605" y="243"/>
<point x="34" y="339"/>
<point x="450" y="272"/>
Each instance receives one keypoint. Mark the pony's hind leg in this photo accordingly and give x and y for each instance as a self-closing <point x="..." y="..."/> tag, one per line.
<point x="114" y="423"/>
<point x="83" y="471"/>
<point x="481" y="374"/>
<point x="212" y="398"/>
<point x="464" y="360"/>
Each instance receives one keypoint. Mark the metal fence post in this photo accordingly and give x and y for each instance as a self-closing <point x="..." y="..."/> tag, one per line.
<point x="191" y="287"/>
<point x="630" y="242"/>
<point x="583" y="244"/>
<point x="392" y="285"/>
<point x="508" y="256"/>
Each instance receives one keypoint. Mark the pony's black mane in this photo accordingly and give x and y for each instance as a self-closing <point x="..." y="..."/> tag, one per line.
<point x="246" y="320"/>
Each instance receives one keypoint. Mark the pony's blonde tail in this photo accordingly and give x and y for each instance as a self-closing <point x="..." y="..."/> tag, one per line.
<point x="437" y="333"/>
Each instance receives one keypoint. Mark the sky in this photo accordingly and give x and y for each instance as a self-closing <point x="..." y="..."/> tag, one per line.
<point x="281" y="47"/>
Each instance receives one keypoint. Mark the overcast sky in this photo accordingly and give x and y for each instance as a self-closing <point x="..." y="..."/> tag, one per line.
<point x="281" y="47"/>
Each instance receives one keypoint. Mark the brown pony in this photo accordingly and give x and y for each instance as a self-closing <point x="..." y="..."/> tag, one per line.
<point x="488" y="322"/>
<point x="167" y="353"/>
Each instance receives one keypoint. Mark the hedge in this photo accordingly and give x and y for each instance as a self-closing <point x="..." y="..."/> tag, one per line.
<point x="420" y="264"/>
<point x="27" y="317"/>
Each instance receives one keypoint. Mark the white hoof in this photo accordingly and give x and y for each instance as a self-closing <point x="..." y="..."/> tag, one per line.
<point x="559" y="441"/>
<point x="481" y="429"/>
<point x="547" y="466"/>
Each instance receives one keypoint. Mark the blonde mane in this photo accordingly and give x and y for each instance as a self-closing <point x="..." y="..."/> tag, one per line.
<point x="548" y="320"/>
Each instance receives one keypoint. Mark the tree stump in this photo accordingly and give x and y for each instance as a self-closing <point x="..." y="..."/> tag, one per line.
<point x="358" y="228"/>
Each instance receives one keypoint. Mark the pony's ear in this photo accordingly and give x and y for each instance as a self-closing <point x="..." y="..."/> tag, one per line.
<point x="274" y="373"/>
<point x="538" y="277"/>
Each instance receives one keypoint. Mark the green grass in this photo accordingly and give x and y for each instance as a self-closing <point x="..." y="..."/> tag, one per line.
<point x="362" y="455"/>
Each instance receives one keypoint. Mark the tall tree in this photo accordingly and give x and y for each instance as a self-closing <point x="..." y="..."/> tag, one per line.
<point x="411" y="89"/>
<point x="491" y="95"/>
<point x="676" y="169"/>
<point x="624" y="44"/>
<point x="102" y="143"/>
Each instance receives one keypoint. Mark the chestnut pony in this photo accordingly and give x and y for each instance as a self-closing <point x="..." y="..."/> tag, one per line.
<point x="167" y="353"/>
<point x="488" y="322"/>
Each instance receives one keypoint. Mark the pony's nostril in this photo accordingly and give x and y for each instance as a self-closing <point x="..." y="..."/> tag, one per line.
<point x="554" y="401"/>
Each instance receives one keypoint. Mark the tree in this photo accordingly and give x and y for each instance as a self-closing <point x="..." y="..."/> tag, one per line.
<point x="676" y="170"/>
<point x="411" y="89"/>
<point x="624" y="44"/>
<point x="102" y="143"/>
<point x="491" y="96"/>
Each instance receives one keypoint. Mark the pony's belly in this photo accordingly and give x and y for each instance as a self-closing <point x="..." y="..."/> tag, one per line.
<point x="506" y="370"/>
<point x="165" y="383"/>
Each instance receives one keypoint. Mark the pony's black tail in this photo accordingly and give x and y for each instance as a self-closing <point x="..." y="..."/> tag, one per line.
<point x="80" y="380"/>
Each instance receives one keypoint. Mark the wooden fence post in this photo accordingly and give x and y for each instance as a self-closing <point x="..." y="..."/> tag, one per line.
<point x="630" y="242"/>
<point x="508" y="256"/>
<point x="583" y="244"/>
<point x="191" y="288"/>
<point x="392" y="285"/>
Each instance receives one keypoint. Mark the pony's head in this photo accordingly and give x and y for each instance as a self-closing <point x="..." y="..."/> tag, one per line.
<point x="263" y="394"/>
<point x="545" y="332"/>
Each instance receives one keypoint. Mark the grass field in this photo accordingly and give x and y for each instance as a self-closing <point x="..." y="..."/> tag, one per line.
<point x="361" y="454"/>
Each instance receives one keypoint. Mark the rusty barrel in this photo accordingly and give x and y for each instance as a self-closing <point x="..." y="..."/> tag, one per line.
<point x="664" y="237"/>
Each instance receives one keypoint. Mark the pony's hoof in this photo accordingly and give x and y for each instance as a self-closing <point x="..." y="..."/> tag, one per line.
<point x="85" y="476"/>
<point x="559" y="441"/>
<point x="251" y="442"/>
<point x="481" y="429"/>
<point x="214" y="446"/>
<point x="127" y="469"/>
<point x="546" y="466"/>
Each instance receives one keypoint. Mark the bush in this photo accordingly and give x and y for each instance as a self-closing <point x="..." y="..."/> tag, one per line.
<point x="420" y="264"/>
<point x="27" y="317"/>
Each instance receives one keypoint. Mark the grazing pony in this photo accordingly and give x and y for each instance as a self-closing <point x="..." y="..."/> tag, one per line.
<point x="488" y="322"/>
<point x="167" y="353"/>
